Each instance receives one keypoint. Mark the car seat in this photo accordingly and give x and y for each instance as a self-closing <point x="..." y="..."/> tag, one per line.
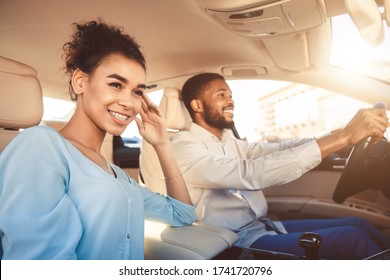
<point x="21" y="102"/>
<point x="177" y="118"/>
<point x="198" y="241"/>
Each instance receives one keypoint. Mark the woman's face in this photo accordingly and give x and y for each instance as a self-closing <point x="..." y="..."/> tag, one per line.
<point x="111" y="97"/>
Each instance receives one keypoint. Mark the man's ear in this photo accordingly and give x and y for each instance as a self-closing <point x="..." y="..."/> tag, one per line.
<point x="197" y="105"/>
<point x="79" y="79"/>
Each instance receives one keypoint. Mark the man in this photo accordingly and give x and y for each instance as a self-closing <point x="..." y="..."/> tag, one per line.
<point x="225" y="176"/>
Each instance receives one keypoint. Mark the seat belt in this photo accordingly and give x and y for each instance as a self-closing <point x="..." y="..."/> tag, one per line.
<point x="270" y="226"/>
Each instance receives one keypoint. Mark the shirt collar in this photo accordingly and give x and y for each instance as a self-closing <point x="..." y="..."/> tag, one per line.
<point x="206" y="135"/>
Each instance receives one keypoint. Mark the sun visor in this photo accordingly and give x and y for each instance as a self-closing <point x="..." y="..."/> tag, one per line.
<point x="366" y="16"/>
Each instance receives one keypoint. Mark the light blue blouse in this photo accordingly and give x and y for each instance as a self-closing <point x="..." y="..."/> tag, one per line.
<point x="55" y="203"/>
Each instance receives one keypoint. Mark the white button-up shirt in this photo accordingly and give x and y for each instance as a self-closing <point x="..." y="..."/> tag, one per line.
<point x="226" y="177"/>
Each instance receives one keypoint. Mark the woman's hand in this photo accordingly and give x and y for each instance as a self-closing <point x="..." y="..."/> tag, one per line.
<point x="152" y="126"/>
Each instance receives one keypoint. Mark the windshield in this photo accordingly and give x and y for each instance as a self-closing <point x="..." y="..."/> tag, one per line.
<point x="351" y="52"/>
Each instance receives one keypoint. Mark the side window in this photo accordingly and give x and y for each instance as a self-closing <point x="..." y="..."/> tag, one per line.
<point x="274" y="110"/>
<point x="57" y="109"/>
<point x="57" y="112"/>
<point x="303" y="111"/>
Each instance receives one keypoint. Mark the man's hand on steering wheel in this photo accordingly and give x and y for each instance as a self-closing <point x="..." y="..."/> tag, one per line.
<point x="367" y="122"/>
<point x="368" y="161"/>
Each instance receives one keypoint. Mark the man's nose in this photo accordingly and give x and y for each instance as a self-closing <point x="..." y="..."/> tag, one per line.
<point x="231" y="101"/>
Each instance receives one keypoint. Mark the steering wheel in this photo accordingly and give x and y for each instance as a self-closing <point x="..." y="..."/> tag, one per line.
<point x="364" y="167"/>
<point x="367" y="167"/>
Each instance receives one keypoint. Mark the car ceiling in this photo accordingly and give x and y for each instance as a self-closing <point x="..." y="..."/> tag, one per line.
<point x="173" y="37"/>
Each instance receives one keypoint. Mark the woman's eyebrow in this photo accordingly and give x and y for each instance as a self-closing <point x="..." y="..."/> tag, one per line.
<point x="118" y="77"/>
<point x="124" y="80"/>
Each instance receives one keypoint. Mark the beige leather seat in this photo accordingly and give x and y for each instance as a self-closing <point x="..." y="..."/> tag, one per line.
<point x="197" y="241"/>
<point x="177" y="118"/>
<point x="21" y="102"/>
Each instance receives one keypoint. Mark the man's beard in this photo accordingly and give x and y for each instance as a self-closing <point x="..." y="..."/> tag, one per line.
<point x="216" y="119"/>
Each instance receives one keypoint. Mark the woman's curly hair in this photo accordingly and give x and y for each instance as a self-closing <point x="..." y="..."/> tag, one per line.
<point x="92" y="42"/>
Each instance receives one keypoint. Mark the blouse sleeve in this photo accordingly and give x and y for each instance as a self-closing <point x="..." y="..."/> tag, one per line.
<point x="37" y="218"/>
<point x="166" y="209"/>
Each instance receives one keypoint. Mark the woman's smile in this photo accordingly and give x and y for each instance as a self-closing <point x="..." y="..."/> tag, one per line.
<point x="119" y="117"/>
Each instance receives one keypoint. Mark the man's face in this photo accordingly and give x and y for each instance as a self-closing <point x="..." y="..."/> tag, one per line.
<point x="218" y="105"/>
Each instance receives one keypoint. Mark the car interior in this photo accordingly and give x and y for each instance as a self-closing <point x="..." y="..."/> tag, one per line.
<point x="279" y="40"/>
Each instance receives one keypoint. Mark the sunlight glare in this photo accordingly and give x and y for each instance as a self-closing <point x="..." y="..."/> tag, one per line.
<point x="351" y="51"/>
<point x="57" y="109"/>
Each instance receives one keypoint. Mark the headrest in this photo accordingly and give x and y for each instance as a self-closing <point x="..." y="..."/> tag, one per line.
<point x="175" y="113"/>
<point x="21" y="103"/>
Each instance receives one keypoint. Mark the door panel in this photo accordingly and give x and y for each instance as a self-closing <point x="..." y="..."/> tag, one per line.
<point x="311" y="197"/>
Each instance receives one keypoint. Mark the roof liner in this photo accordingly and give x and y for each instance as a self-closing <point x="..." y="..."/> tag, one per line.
<point x="171" y="35"/>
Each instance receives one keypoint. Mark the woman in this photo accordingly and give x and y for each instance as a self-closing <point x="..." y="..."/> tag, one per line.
<point x="59" y="197"/>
